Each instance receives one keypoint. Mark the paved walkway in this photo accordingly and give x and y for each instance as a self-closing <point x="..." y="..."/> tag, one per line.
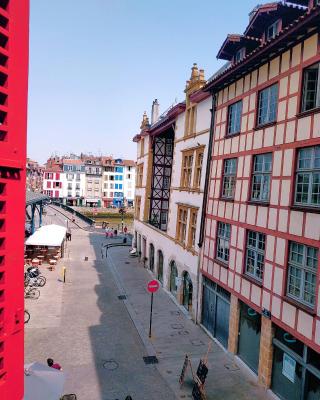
<point x="100" y="340"/>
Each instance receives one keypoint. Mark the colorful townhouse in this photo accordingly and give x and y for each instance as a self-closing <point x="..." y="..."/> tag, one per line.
<point x="118" y="182"/>
<point x="53" y="179"/>
<point x="260" y="266"/>
<point x="93" y="181"/>
<point x="170" y="182"/>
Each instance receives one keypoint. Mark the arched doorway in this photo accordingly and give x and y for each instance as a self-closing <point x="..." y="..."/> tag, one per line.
<point x="160" y="266"/>
<point x="187" y="291"/>
<point x="173" y="278"/>
<point x="151" y="257"/>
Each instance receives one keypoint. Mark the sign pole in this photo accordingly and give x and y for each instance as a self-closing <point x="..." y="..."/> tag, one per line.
<point x="151" y="315"/>
<point x="152" y="287"/>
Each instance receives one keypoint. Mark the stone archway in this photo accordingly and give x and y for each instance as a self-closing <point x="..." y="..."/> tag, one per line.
<point x="151" y="257"/>
<point x="187" y="291"/>
<point x="173" y="287"/>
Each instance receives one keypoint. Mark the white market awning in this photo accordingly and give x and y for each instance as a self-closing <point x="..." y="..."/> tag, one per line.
<point x="47" y="235"/>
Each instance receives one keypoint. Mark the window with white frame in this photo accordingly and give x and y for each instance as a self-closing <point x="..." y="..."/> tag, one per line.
<point x="273" y="30"/>
<point x="229" y="178"/>
<point x="311" y="88"/>
<point x="223" y="242"/>
<point x="240" y="54"/>
<point x="261" y="177"/>
<point x="255" y="254"/>
<point x="302" y="270"/>
<point x="307" y="188"/>
<point x="267" y="108"/>
<point x="234" y="117"/>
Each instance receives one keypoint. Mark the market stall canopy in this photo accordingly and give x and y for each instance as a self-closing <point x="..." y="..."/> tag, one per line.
<point x="48" y="235"/>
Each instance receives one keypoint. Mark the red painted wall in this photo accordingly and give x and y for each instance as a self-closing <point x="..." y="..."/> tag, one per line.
<point x="13" y="132"/>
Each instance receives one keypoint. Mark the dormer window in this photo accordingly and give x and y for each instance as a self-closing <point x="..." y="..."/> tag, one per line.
<point x="240" y="54"/>
<point x="273" y="30"/>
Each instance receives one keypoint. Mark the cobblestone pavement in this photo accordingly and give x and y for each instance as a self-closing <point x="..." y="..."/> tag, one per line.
<point x="101" y="340"/>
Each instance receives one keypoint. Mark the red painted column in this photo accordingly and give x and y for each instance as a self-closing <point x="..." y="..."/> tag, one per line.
<point x="14" y="44"/>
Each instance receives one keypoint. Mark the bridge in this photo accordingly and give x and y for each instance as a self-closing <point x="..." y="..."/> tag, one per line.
<point x="35" y="203"/>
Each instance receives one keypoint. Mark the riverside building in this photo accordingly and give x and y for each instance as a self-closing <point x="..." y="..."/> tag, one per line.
<point x="260" y="265"/>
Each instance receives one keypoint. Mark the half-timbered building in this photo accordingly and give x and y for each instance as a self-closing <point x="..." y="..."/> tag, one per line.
<point x="260" y="264"/>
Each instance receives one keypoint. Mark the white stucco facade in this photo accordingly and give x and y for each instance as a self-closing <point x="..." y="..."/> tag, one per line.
<point x="150" y="239"/>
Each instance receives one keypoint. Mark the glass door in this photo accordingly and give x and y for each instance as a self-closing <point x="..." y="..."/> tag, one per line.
<point x="249" y="336"/>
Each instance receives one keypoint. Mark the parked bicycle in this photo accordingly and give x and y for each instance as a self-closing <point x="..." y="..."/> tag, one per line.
<point x="33" y="278"/>
<point x="31" y="293"/>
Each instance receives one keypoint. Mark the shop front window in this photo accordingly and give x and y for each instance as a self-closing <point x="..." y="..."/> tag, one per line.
<point x="296" y="368"/>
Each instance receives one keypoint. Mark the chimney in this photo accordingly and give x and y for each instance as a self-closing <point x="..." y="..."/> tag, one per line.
<point x="155" y="111"/>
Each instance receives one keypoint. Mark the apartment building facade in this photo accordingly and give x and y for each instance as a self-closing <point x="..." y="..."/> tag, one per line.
<point x="129" y="181"/>
<point x="118" y="182"/>
<point x="53" y="181"/>
<point x="14" y="49"/>
<point x="260" y="265"/>
<point x="93" y="181"/>
<point x="171" y="166"/>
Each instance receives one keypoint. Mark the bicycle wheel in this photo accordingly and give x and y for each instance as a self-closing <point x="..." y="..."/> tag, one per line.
<point x="41" y="281"/>
<point x="26" y="316"/>
<point x="34" y="293"/>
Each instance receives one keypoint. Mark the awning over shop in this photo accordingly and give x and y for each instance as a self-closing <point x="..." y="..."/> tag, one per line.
<point x="48" y="235"/>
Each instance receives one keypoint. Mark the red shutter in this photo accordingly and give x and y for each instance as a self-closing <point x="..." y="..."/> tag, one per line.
<point x="56" y="193"/>
<point x="60" y="185"/>
<point x="57" y="176"/>
<point x="49" y="184"/>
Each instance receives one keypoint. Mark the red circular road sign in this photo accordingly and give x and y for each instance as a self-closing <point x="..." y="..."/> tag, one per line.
<point x="153" y="286"/>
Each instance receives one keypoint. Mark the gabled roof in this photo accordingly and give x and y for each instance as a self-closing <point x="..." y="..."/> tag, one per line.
<point x="167" y="119"/>
<point x="53" y="168"/>
<point x="264" y="15"/>
<point x="267" y="50"/>
<point x="129" y="163"/>
<point x="72" y="161"/>
<point x="235" y="42"/>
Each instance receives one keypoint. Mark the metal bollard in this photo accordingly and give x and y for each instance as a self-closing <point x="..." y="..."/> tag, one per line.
<point x="64" y="269"/>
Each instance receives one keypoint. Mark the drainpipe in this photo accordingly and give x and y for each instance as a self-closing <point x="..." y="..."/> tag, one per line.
<point x="205" y="195"/>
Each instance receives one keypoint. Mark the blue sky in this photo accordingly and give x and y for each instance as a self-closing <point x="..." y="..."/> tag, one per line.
<point x="96" y="65"/>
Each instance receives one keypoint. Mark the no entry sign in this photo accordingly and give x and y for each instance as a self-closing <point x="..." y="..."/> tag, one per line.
<point x="153" y="286"/>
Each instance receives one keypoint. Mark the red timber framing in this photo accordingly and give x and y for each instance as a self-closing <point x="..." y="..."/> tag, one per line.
<point x="14" y="43"/>
<point x="279" y="218"/>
